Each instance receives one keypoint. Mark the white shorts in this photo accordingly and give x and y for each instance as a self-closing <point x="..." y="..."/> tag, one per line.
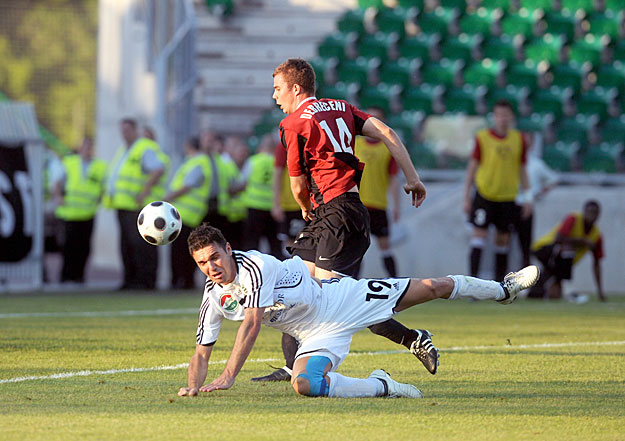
<point x="352" y="306"/>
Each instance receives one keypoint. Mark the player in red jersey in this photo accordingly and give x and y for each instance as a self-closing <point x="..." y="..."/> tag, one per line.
<point x="319" y="135"/>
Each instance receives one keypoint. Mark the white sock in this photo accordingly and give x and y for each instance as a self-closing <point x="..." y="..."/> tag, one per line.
<point x="472" y="287"/>
<point x="348" y="387"/>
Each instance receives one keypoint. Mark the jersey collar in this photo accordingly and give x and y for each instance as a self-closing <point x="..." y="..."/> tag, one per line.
<point x="307" y="99"/>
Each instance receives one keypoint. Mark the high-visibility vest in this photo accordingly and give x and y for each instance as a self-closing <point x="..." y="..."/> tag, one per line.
<point x="577" y="232"/>
<point x="230" y="207"/>
<point x="82" y="192"/>
<point x="131" y="180"/>
<point x="258" y="192"/>
<point x="193" y="205"/>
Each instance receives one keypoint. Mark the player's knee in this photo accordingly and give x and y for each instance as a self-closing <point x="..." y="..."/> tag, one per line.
<point x="301" y="385"/>
<point x="312" y="382"/>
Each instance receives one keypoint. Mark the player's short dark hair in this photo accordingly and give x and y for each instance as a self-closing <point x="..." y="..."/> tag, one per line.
<point x="504" y="103"/>
<point x="130" y="121"/>
<point x="194" y="143"/>
<point x="297" y="71"/>
<point x="203" y="236"/>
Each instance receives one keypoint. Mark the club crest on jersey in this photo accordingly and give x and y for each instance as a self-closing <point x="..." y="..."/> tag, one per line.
<point x="228" y="303"/>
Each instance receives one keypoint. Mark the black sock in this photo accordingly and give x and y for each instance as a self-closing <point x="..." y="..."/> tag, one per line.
<point x="389" y="264"/>
<point x="501" y="266"/>
<point x="395" y="332"/>
<point x="474" y="260"/>
<point x="289" y="349"/>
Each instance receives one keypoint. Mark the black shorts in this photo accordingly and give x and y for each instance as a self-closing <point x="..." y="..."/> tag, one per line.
<point x="291" y="226"/>
<point x="338" y="237"/>
<point x="556" y="261"/>
<point x="379" y="222"/>
<point x="501" y="214"/>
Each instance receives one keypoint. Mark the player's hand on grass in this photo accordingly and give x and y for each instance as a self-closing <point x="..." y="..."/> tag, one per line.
<point x="418" y="192"/>
<point x="219" y="383"/>
<point x="187" y="392"/>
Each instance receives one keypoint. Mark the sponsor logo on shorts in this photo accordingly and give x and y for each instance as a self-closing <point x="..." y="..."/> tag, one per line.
<point x="228" y="303"/>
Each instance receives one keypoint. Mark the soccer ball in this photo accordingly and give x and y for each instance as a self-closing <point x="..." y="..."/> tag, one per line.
<point x="159" y="223"/>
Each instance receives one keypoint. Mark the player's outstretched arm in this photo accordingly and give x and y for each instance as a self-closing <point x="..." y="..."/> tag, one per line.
<point x="243" y="344"/>
<point x="198" y="367"/>
<point x="374" y="128"/>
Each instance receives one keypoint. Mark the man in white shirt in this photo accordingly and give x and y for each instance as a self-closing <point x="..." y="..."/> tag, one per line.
<point x="321" y="315"/>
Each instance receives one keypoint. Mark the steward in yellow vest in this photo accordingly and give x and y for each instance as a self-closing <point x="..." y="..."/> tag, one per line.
<point x="562" y="247"/>
<point x="78" y="194"/>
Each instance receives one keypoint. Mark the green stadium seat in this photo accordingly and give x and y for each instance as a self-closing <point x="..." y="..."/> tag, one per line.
<point x="576" y="129"/>
<point x="364" y="4"/>
<point x="486" y="73"/>
<point x="614" y="5"/>
<point x="357" y="71"/>
<point x="613" y="130"/>
<point x="419" y="47"/>
<point x="437" y="21"/>
<point x="269" y="122"/>
<point x="561" y="156"/>
<point x="253" y="142"/>
<point x="563" y="24"/>
<point x="409" y="122"/>
<point x="595" y="101"/>
<point x="419" y="4"/>
<point x="463" y="47"/>
<point x="612" y="75"/>
<point x="551" y="100"/>
<point x="522" y="23"/>
<point x="325" y="69"/>
<point x="517" y="96"/>
<point x="480" y="22"/>
<point x="422" y="98"/>
<point x="454" y="4"/>
<point x="527" y="74"/>
<point x="497" y="4"/>
<point x="378" y="45"/>
<point x="589" y="49"/>
<point x="382" y="95"/>
<point x="535" y="123"/>
<point x="341" y="91"/>
<point x="533" y="5"/>
<point x="391" y="20"/>
<point x="572" y="6"/>
<point x="503" y="48"/>
<point x="464" y="100"/>
<point x="546" y="48"/>
<point x="338" y="44"/>
<point x="569" y="75"/>
<point x="618" y="51"/>
<point x="423" y="157"/>
<point x="603" y="158"/>
<point x="352" y="21"/>
<point x="220" y="7"/>
<point x="445" y="72"/>
<point x="605" y="23"/>
<point x="403" y="71"/>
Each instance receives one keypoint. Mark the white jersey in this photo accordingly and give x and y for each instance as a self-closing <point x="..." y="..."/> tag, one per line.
<point x="291" y="298"/>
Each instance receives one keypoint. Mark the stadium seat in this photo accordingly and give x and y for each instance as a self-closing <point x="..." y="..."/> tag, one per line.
<point x="381" y="95"/>
<point x="438" y="21"/>
<point x="454" y="4"/>
<point x="614" y="5"/>
<point x="463" y="47"/>
<point x="394" y="20"/>
<point x="589" y="49"/>
<point x="220" y="7"/>
<point x="486" y="73"/>
<point x="419" y="46"/>
<point x="503" y="48"/>
<point x="517" y="96"/>
<point x="569" y="75"/>
<point x="605" y="23"/>
<point x="480" y="22"/>
<point x="572" y="6"/>
<point x="364" y="4"/>
<point x="422" y="98"/>
<point x="522" y="23"/>
<point x="535" y="123"/>
<point x="576" y="129"/>
<point x="497" y="4"/>
<point x="612" y="75"/>
<point x="403" y="71"/>
<point x="352" y="21"/>
<point x="533" y="5"/>
<point x="464" y="100"/>
<point x="357" y="71"/>
<point x="419" y="4"/>
<point x="341" y="91"/>
<point x="563" y="24"/>
<point x="527" y="74"/>
<point x="595" y="101"/>
<point x="379" y="45"/>
<point x="603" y="158"/>
<point x="409" y="122"/>
<point x="551" y="100"/>
<point x="561" y="156"/>
<point x="445" y="72"/>
<point x="618" y="51"/>
<point x="546" y="48"/>
<point x="338" y="44"/>
<point x="422" y="155"/>
<point x="325" y="69"/>
<point x="613" y="130"/>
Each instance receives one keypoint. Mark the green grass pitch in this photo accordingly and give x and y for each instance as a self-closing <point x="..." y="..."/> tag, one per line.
<point x="531" y="370"/>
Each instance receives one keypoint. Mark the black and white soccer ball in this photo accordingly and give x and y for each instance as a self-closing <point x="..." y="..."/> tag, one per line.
<point x="159" y="223"/>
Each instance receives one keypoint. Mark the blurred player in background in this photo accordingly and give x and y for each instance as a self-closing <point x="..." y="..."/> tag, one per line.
<point x="231" y="205"/>
<point x="379" y="175"/>
<point x="189" y="192"/>
<point x="562" y="247"/>
<point x="78" y="192"/>
<point x="496" y="167"/>
<point x="257" y="289"/>
<point x="319" y="136"/>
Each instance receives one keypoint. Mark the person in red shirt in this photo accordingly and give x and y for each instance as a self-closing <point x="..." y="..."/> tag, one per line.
<point x="319" y="135"/>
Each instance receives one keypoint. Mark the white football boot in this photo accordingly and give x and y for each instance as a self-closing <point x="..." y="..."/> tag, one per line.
<point x="395" y="389"/>
<point x="516" y="282"/>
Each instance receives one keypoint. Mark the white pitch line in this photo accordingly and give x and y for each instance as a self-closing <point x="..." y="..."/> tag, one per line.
<point x="100" y="313"/>
<point x="267" y="360"/>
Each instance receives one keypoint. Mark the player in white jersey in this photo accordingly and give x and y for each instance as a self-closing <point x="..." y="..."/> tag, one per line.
<point x="322" y="315"/>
